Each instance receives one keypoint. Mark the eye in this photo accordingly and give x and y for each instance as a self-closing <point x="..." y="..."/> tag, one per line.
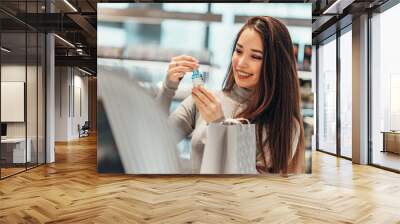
<point x="257" y="57"/>
<point x="238" y="51"/>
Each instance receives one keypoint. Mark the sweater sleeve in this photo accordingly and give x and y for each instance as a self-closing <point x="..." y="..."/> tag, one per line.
<point x="166" y="94"/>
<point x="184" y="117"/>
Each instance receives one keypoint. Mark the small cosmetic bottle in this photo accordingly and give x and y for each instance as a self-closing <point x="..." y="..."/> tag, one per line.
<point x="199" y="78"/>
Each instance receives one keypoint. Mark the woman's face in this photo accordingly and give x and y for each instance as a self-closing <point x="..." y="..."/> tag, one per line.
<point x="247" y="59"/>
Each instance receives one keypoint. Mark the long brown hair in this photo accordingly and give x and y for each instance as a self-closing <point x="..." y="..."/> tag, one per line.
<point x="275" y="105"/>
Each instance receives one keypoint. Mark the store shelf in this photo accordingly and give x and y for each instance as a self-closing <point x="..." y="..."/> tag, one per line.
<point x="152" y="16"/>
<point x="150" y="53"/>
<point x="305" y="75"/>
<point x="287" y="21"/>
<point x="149" y="63"/>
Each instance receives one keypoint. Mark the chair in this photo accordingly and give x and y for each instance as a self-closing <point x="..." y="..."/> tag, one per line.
<point x="84" y="130"/>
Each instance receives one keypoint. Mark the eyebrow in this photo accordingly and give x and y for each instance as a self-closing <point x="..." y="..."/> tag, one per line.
<point x="258" y="51"/>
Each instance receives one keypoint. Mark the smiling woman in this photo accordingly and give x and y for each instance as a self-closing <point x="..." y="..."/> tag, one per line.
<point x="263" y="62"/>
<point x="261" y="86"/>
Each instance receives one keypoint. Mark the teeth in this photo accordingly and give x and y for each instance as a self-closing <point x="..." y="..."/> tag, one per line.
<point x="244" y="74"/>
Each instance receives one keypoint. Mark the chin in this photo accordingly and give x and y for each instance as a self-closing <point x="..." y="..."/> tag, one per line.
<point x="245" y="84"/>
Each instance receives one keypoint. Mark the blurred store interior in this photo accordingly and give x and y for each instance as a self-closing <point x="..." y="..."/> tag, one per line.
<point x="146" y="36"/>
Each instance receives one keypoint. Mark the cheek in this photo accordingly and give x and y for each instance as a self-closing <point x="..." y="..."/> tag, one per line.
<point x="257" y="70"/>
<point x="258" y="67"/>
<point x="234" y="60"/>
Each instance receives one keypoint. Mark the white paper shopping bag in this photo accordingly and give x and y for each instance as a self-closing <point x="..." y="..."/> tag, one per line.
<point x="230" y="149"/>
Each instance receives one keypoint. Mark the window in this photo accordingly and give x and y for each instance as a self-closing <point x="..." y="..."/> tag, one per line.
<point x="22" y="76"/>
<point x="346" y="94"/>
<point x="385" y="89"/>
<point x="327" y="96"/>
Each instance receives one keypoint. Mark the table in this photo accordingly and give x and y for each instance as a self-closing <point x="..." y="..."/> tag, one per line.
<point x="391" y="141"/>
<point x="13" y="150"/>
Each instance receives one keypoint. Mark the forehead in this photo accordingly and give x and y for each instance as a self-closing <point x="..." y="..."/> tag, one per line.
<point x="250" y="39"/>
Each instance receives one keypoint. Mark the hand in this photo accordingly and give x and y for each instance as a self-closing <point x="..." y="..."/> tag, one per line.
<point x="179" y="66"/>
<point x="209" y="106"/>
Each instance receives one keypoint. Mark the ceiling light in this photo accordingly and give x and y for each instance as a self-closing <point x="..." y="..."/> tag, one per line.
<point x="338" y="6"/>
<point x="5" y="50"/>
<point x="65" y="41"/>
<point x="70" y="5"/>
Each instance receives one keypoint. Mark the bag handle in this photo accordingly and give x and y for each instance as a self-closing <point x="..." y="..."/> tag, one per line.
<point x="243" y="119"/>
<point x="235" y="121"/>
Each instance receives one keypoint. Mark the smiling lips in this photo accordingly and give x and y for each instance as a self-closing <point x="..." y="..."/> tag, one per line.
<point x="242" y="74"/>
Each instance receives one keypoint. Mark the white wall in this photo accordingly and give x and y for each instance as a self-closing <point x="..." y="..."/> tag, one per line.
<point x="12" y="73"/>
<point x="70" y="83"/>
<point x="62" y="80"/>
<point x="33" y="126"/>
<point x="80" y="100"/>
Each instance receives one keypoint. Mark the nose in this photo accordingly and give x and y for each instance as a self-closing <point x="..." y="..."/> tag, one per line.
<point x="242" y="62"/>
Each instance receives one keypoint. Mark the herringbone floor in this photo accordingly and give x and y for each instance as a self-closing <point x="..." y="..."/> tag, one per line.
<point x="71" y="191"/>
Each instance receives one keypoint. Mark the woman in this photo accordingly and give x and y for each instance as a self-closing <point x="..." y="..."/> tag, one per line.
<point x="261" y="85"/>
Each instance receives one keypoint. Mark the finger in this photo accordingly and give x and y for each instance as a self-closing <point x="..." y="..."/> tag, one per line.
<point x="201" y="96"/>
<point x="199" y="103"/>
<point x="189" y="64"/>
<point x="184" y="57"/>
<point x="208" y="94"/>
<point x="180" y="69"/>
<point x="178" y="75"/>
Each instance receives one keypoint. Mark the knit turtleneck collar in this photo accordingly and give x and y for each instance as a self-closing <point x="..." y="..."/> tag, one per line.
<point x="240" y="94"/>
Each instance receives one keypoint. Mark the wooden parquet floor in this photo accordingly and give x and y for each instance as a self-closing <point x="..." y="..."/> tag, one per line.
<point x="71" y="191"/>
